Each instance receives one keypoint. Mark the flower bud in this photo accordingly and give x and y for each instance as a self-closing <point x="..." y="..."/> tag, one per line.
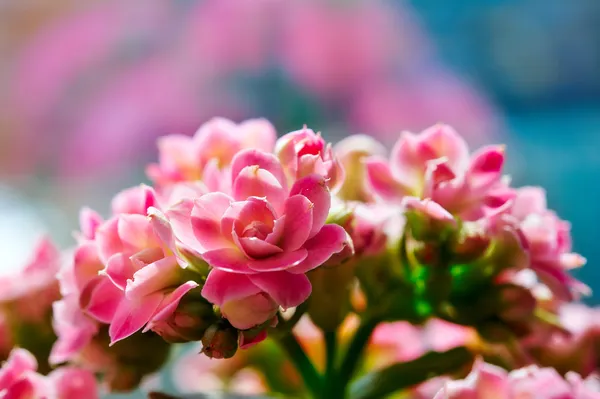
<point x="189" y="321"/>
<point x="516" y="303"/>
<point x="470" y="244"/>
<point x="220" y="341"/>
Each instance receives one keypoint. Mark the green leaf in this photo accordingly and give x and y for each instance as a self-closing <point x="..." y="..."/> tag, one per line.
<point x="401" y="376"/>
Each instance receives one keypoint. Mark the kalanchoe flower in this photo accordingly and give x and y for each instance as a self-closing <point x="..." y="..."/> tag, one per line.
<point x="303" y="153"/>
<point x="26" y="303"/>
<point x="549" y="242"/>
<point x="262" y="239"/>
<point x="352" y="152"/>
<point x="436" y="164"/>
<point x="488" y="381"/>
<point x="19" y="379"/>
<point x="209" y="151"/>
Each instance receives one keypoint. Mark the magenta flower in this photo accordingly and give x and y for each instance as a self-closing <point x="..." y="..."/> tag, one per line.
<point x="262" y="239"/>
<point x="19" y="379"/>
<point x="146" y="272"/>
<point x="549" y="241"/>
<point x="303" y="153"/>
<point x="211" y="149"/>
<point x="488" y="381"/>
<point x="436" y="164"/>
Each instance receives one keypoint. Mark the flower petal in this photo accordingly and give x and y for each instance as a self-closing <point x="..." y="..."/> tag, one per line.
<point x="221" y="287"/>
<point x="282" y="261"/>
<point x="119" y="269"/>
<point x="252" y="181"/>
<point x="256" y="158"/>
<point x="257" y="248"/>
<point x="298" y="222"/>
<point x="206" y="220"/>
<point x="228" y="260"/>
<point x="131" y="316"/>
<point x="330" y="240"/>
<point x="170" y="303"/>
<point x="153" y="278"/>
<point x="380" y="179"/>
<point x="287" y="289"/>
<point x="258" y="133"/>
<point x="100" y="299"/>
<point x="315" y="189"/>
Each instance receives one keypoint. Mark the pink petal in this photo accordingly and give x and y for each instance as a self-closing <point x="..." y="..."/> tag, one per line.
<point x="315" y="189"/>
<point x="109" y="242"/>
<point x="257" y="248"/>
<point x="443" y="141"/>
<point x="282" y="261"/>
<point x="287" y="289"/>
<point x="228" y="260"/>
<point x="74" y="383"/>
<point x="486" y="168"/>
<point x="135" y="200"/>
<point x="380" y="179"/>
<point x="131" y="316"/>
<point x="100" y="299"/>
<point x="153" y="278"/>
<point x="119" y="269"/>
<point x="262" y="160"/>
<point x="258" y="133"/>
<point x="179" y="218"/>
<point x="255" y="182"/>
<point x="221" y="287"/>
<point x="298" y="222"/>
<point x="136" y="233"/>
<point x="89" y="221"/>
<point x="206" y="220"/>
<point x="243" y="214"/>
<point x="274" y="237"/>
<point x="330" y="240"/>
<point x="19" y="362"/>
<point x="170" y="303"/>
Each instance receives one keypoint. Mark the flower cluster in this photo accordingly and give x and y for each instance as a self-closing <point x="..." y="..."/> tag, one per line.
<point x="430" y="253"/>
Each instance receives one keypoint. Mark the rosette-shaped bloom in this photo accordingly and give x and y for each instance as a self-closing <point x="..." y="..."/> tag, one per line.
<point x="436" y="164"/>
<point x="146" y="272"/>
<point x="549" y="241"/>
<point x="304" y="152"/>
<point x="209" y="151"/>
<point x="19" y="379"/>
<point x="488" y="381"/>
<point x="260" y="241"/>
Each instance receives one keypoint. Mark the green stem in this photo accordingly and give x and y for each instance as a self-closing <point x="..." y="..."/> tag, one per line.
<point x="312" y="379"/>
<point x="331" y="344"/>
<point x="354" y="353"/>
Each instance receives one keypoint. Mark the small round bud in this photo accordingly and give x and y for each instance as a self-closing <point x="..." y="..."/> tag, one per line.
<point x="220" y="341"/>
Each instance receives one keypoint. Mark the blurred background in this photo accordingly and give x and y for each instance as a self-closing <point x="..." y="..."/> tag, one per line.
<point x="87" y="86"/>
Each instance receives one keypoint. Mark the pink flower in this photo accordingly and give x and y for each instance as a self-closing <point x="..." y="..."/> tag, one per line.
<point x="20" y="380"/>
<point x="436" y="164"/>
<point x="209" y="151"/>
<point x="549" y="241"/>
<point x="351" y="152"/>
<point x="262" y="239"/>
<point x="147" y="273"/>
<point x="488" y="381"/>
<point x="303" y="153"/>
<point x="30" y="292"/>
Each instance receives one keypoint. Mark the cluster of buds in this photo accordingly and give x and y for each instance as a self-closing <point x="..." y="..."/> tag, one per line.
<point x="240" y="226"/>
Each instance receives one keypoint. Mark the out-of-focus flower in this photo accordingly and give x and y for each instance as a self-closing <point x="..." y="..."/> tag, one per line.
<point x="318" y="57"/>
<point x="303" y="153"/>
<point x="351" y="152"/>
<point x="262" y="239"/>
<point x="549" y="243"/>
<point x="436" y="164"/>
<point x="488" y="381"/>
<point x="19" y="379"/>
<point x="211" y="150"/>
<point x="26" y="303"/>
